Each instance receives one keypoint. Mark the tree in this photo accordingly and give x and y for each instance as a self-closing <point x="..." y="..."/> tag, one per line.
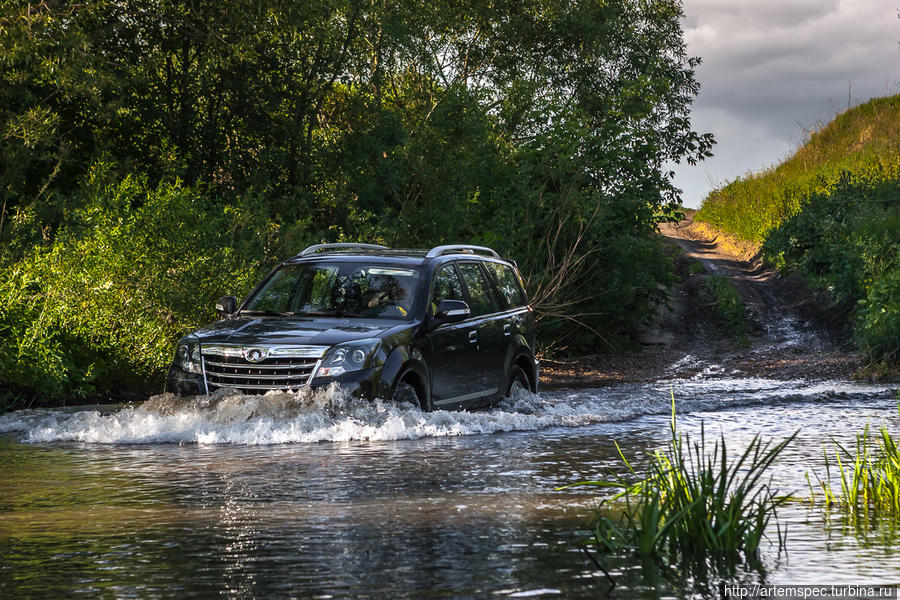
<point x="540" y="127"/>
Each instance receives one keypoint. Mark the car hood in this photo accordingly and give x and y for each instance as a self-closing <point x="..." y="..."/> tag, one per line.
<point x="266" y="331"/>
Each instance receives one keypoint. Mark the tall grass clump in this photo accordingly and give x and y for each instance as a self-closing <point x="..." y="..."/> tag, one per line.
<point x="693" y="501"/>
<point x="869" y="476"/>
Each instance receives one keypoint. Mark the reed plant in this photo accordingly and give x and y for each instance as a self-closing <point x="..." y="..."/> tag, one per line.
<point x="869" y="476"/>
<point x="693" y="501"/>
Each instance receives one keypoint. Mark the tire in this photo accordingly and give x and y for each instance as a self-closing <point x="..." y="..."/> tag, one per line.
<point x="516" y="382"/>
<point x="406" y="392"/>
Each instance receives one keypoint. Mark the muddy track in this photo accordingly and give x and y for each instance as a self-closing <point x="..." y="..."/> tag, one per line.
<point x="794" y="333"/>
<point x="784" y="313"/>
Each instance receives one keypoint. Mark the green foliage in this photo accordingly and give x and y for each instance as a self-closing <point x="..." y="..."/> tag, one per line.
<point x="539" y="128"/>
<point x="846" y="241"/>
<point x="728" y="306"/>
<point x="870" y="477"/>
<point x="134" y="268"/>
<point x="878" y="321"/>
<point x="696" y="268"/>
<point x="692" y="502"/>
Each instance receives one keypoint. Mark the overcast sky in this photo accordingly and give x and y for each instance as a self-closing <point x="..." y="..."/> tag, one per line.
<point x="774" y="68"/>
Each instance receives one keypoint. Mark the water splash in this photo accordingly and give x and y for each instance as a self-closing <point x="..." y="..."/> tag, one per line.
<point x="329" y="414"/>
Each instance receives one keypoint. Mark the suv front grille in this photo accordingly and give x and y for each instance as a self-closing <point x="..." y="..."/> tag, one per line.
<point x="283" y="368"/>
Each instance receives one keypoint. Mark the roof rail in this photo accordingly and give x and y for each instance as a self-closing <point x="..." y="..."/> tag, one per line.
<point x="328" y="247"/>
<point x="460" y="249"/>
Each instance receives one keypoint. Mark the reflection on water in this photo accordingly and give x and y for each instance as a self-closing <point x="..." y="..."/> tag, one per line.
<point x="322" y="496"/>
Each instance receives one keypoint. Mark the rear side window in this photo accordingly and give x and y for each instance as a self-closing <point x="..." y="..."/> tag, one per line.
<point x="481" y="296"/>
<point x="508" y="283"/>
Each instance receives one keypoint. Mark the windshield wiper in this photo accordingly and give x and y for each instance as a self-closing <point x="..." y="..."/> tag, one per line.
<point x="267" y="313"/>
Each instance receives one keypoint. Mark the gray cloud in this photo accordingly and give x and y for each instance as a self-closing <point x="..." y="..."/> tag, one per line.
<point x="772" y="68"/>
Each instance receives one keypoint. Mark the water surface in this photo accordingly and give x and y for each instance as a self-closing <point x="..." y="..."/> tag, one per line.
<point x="316" y="495"/>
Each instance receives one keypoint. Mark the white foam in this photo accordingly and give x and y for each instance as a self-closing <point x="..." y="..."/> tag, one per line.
<point x="275" y="418"/>
<point x="330" y="415"/>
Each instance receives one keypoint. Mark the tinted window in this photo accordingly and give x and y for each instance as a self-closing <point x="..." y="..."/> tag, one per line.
<point x="482" y="300"/>
<point x="508" y="283"/>
<point x="446" y="287"/>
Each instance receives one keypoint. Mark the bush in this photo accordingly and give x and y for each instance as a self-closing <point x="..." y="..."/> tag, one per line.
<point x="100" y="307"/>
<point x="878" y="321"/>
<point x="846" y="242"/>
<point x="728" y="306"/>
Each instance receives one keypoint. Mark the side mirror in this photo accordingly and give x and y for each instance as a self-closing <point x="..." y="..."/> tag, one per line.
<point x="451" y="311"/>
<point x="226" y="306"/>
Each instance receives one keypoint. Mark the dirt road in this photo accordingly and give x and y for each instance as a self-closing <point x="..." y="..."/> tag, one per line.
<point x="793" y="333"/>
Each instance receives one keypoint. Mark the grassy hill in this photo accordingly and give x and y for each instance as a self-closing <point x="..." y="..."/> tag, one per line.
<point x="862" y="140"/>
<point x="832" y="212"/>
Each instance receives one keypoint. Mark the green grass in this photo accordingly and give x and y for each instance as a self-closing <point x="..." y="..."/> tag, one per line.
<point x="731" y="313"/>
<point x="869" y="476"/>
<point x="693" y="501"/>
<point x="864" y="138"/>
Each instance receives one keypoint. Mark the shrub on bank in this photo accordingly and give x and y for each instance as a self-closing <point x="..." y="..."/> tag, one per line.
<point x="728" y="306"/>
<point x="98" y="308"/>
<point x="846" y="241"/>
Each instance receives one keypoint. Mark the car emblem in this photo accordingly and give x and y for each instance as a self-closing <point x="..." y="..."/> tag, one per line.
<point x="255" y="355"/>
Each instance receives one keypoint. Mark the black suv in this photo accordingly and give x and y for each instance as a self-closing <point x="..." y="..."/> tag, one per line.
<point x="448" y="327"/>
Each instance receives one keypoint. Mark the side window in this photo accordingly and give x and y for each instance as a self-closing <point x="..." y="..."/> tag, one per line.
<point x="446" y="287"/>
<point x="508" y="283"/>
<point x="481" y="295"/>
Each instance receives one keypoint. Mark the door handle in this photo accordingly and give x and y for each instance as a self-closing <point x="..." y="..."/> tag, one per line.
<point x="473" y="337"/>
<point x="507" y="329"/>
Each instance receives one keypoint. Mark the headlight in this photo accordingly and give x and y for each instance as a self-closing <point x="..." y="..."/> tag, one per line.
<point x="187" y="356"/>
<point x="351" y="356"/>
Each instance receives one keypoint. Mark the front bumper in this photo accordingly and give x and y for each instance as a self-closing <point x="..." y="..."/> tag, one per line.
<point x="365" y="383"/>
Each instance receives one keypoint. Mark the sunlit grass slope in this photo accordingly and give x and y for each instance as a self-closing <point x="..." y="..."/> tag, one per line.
<point x="861" y="140"/>
<point x="832" y="213"/>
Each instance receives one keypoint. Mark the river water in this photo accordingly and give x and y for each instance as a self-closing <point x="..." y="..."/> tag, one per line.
<point x="318" y="496"/>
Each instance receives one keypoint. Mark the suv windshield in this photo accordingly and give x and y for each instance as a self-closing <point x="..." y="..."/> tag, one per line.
<point x="337" y="289"/>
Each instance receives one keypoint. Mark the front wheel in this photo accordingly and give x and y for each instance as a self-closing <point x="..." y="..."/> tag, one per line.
<point x="516" y="383"/>
<point x="404" y="391"/>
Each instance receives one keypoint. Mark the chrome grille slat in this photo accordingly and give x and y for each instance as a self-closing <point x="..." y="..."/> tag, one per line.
<point x="259" y="365"/>
<point x="259" y="376"/>
<point x="265" y="388"/>
<point x="235" y="351"/>
<point x="225" y="366"/>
